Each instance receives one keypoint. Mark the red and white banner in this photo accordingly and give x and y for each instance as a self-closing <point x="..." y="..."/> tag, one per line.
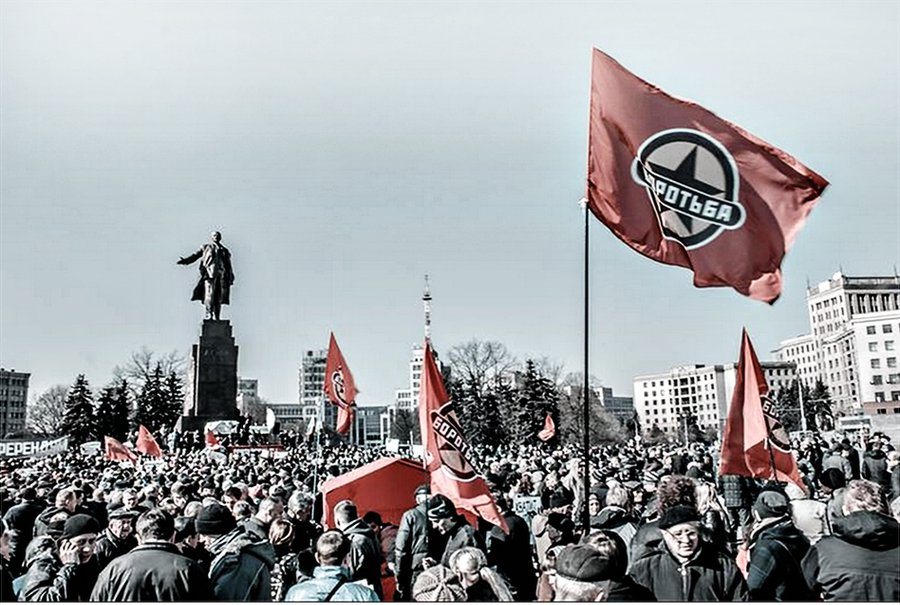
<point x="549" y="430"/>
<point x="339" y="386"/>
<point x="146" y="443"/>
<point x="115" y="450"/>
<point x="446" y="449"/>
<point x="684" y="187"/>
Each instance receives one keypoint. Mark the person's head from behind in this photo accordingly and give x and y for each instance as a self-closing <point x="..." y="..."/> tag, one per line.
<point x="186" y="533"/>
<point x="155" y="525"/>
<point x="583" y="573"/>
<point x="242" y="510"/>
<point x="373" y="520"/>
<point x="281" y="535"/>
<point x="620" y="496"/>
<point x="676" y="490"/>
<point x="422" y="493"/>
<point x="613" y="550"/>
<point x="862" y="495"/>
<point x="438" y="584"/>
<point x="345" y="513"/>
<point x="212" y="521"/>
<point x="66" y="499"/>
<point x="269" y="510"/>
<point x="467" y="564"/>
<point x="332" y="548"/>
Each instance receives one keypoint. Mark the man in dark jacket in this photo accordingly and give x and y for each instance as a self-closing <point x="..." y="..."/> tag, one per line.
<point x="118" y="537"/>
<point x="71" y="575"/>
<point x="510" y="553"/>
<point x="52" y="518"/>
<point x="306" y="531"/>
<point x="364" y="560"/>
<point x="859" y="561"/>
<point x="443" y="517"/>
<point x="20" y="520"/>
<point x="154" y="570"/>
<point x="416" y="541"/>
<point x="241" y="566"/>
<point x="875" y="468"/>
<point x="684" y="567"/>
<point x="776" y="549"/>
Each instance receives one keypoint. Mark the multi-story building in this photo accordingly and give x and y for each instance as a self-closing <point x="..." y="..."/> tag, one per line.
<point x="369" y="428"/>
<point x="13" y="401"/>
<point x="835" y="307"/>
<point x="248" y="398"/>
<point x="800" y="351"/>
<point x="292" y="415"/>
<point x="620" y="407"/>
<point x="312" y="385"/>
<point x="875" y="337"/>
<point x="704" y="390"/>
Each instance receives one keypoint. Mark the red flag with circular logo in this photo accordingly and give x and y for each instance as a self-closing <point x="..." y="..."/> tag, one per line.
<point x="339" y="386"/>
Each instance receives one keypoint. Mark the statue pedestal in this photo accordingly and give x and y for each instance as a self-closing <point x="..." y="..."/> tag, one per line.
<point x="212" y="380"/>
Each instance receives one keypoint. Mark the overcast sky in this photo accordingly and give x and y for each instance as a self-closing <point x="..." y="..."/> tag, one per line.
<point x="344" y="150"/>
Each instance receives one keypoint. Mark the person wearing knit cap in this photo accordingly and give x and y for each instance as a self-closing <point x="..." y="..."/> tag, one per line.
<point x="684" y="567"/>
<point x="70" y="575"/>
<point x="416" y="541"/>
<point x="438" y="584"/>
<point x="242" y="563"/>
<point x="458" y="533"/>
<point x="776" y="546"/>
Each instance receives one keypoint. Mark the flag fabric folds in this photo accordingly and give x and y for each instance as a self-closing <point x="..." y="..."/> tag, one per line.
<point x="549" y="430"/>
<point x="684" y="187"/>
<point x="447" y="451"/>
<point x="754" y="443"/>
<point x="211" y="440"/>
<point x="115" y="450"/>
<point x="146" y="443"/>
<point x="339" y="386"/>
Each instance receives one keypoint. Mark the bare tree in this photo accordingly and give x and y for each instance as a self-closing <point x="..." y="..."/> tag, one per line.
<point x="551" y="369"/>
<point x="46" y="412"/>
<point x="142" y="365"/>
<point x="479" y="362"/>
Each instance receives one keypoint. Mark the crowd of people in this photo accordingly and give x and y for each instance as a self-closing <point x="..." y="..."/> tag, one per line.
<point x="661" y="525"/>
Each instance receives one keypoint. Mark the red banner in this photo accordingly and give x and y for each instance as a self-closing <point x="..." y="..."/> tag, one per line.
<point x="115" y="450"/>
<point x="339" y="386"/>
<point x="146" y="443"/>
<point x="549" y="430"/>
<point x="684" y="187"/>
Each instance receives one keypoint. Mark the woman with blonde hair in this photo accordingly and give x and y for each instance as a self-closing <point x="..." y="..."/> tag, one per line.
<point x="480" y="581"/>
<point x="713" y="515"/>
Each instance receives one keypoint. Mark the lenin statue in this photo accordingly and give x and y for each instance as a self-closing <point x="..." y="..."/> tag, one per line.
<point x="216" y="276"/>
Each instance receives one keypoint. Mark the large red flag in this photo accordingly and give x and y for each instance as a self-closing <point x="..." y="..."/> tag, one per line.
<point x="211" y="440"/>
<point x="685" y="187"/>
<point x="339" y="386"/>
<point x="755" y="443"/>
<point x="447" y="451"/>
<point x="549" y="429"/>
<point x="146" y="443"/>
<point x="115" y="450"/>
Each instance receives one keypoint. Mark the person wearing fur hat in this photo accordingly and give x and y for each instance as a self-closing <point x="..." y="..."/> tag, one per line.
<point x="684" y="567"/>
<point x="68" y="575"/>
<point x="776" y="548"/>
<point x="443" y="517"/>
<point x="242" y="563"/>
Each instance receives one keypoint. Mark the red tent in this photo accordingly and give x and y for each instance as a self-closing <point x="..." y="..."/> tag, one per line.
<point x="386" y="486"/>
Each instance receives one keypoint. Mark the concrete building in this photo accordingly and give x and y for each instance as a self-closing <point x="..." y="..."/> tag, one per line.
<point x="704" y="390"/>
<point x="800" y="351"/>
<point x="369" y="426"/>
<point x="292" y="415"/>
<point x="875" y="337"/>
<point x="13" y="401"/>
<point x="312" y="386"/>
<point x="620" y="407"/>
<point x="248" y="398"/>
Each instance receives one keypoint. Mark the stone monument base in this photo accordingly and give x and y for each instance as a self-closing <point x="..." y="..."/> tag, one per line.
<point x="212" y="380"/>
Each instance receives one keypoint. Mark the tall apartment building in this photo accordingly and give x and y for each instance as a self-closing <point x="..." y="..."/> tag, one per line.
<point x="800" y="351"/>
<point x="836" y="308"/>
<point x="13" y="401"/>
<point x="876" y="337"/>
<point x="312" y="386"/>
<point x="704" y="390"/>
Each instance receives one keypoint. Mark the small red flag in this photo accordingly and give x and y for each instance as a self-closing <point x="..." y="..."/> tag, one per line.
<point x="549" y="429"/>
<point x="146" y="443"/>
<point x="754" y="443"/>
<point x="339" y="386"/>
<point x="211" y="440"/>
<point x="684" y="187"/>
<point x="447" y="451"/>
<point x="115" y="450"/>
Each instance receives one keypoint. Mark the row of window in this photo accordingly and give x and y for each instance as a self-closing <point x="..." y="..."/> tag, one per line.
<point x="891" y="362"/>
<point x="880" y="397"/>
<point x="888" y="346"/>
<point x="885" y="329"/>
<point x="878" y="379"/>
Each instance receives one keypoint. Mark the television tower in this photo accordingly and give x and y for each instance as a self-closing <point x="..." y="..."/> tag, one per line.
<point x="426" y="301"/>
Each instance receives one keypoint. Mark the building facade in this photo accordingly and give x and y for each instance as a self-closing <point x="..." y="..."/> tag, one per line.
<point x="705" y="391"/>
<point x="13" y="401"/>
<point x="620" y="407"/>
<point x="800" y="351"/>
<point x="875" y="338"/>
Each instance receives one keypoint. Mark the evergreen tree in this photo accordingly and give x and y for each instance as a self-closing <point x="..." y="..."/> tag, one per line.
<point x="479" y="411"/>
<point x="153" y="405"/>
<point x="406" y="427"/>
<point x="79" y="422"/>
<point x="534" y="399"/>
<point x="820" y="408"/>
<point x="175" y="393"/>
<point x="112" y="411"/>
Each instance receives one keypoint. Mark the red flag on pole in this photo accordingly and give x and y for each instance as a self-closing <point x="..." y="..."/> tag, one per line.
<point x="146" y="443"/>
<point x="446" y="448"/>
<point x="755" y="444"/>
<point x="115" y="450"/>
<point x="211" y="440"/>
<point x="549" y="429"/>
<point x="339" y="386"/>
<point x="685" y="187"/>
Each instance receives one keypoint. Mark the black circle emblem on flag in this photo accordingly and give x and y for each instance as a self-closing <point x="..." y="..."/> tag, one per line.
<point x="778" y="436"/>
<point x="692" y="182"/>
<point x="337" y="385"/>
<point x="451" y="443"/>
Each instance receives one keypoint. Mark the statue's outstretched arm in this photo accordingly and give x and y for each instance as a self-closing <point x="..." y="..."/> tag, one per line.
<point x="187" y="260"/>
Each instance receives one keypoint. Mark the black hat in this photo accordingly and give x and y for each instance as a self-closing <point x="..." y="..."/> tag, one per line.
<point x="833" y="479"/>
<point x="559" y="499"/>
<point x="184" y="528"/>
<point x="214" y="520"/>
<point x="440" y="507"/>
<point x="122" y="513"/>
<point x="677" y="515"/>
<point x="423" y="489"/>
<point x="583" y="564"/>
<point x="78" y="525"/>
<point x="771" y="503"/>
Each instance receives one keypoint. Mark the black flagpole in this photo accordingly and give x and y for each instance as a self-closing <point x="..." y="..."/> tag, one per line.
<point x="586" y="515"/>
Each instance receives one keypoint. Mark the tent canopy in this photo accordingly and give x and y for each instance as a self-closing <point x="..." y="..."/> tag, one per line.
<point x="386" y="486"/>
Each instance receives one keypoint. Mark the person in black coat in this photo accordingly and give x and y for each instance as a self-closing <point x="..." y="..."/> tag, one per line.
<point x="443" y="517"/>
<point x="20" y="520"/>
<point x="155" y="570"/>
<point x="118" y="537"/>
<point x="6" y="578"/>
<point x="875" y="468"/>
<point x="510" y="553"/>
<point x="776" y="548"/>
<point x="68" y="575"/>
<point x="416" y="541"/>
<point x="859" y="561"/>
